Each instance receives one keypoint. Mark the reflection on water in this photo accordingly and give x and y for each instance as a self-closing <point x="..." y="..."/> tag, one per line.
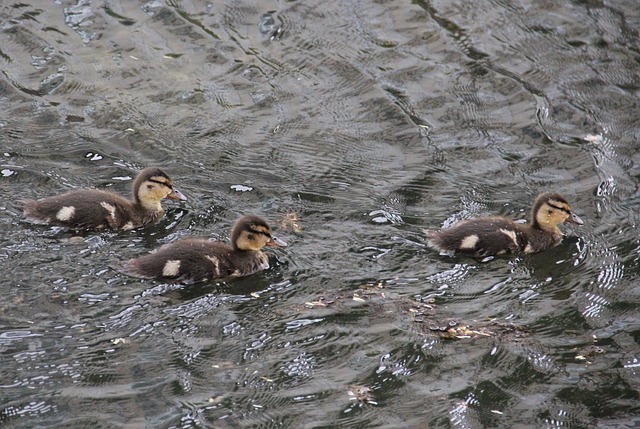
<point x="363" y="124"/>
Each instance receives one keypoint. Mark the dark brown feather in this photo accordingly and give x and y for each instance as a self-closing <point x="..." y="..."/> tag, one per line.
<point x="488" y="236"/>
<point x="198" y="259"/>
<point x="195" y="256"/>
<point x="89" y="211"/>
<point x="491" y="240"/>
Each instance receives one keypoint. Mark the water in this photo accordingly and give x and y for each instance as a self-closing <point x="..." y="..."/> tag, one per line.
<point x="368" y="121"/>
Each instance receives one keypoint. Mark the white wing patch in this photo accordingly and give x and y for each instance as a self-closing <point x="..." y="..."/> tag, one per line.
<point x="65" y="213"/>
<point x="264" y="259"/>
<point x="528" y="249"/>
<point x="469" y="242"/>
<point x="511" y="234"/>
<point x="171" y="268"/>
<point x="110" y="208"/>
<point x="216" y="264"/>
<point x="128" y="226"/>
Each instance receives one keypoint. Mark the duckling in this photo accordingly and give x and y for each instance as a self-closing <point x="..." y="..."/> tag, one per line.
<point x="88" y="209"/>
<point x="195" y="259"/>
<point x="488" y="236"/>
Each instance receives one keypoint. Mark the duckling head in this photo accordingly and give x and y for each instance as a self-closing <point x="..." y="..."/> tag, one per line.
<point x="549" y="210"/>
<point x="152" y="185"/>
<point x="252" y="233"/>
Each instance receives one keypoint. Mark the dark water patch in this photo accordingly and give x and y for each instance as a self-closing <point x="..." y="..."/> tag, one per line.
<point x="368" y="122"/>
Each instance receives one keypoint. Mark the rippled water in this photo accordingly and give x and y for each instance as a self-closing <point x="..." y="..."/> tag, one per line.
<point x="369" y="121"/>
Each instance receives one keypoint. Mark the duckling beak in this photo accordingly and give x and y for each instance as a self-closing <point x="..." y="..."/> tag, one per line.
<point x="176" y="195"/>
<point x="275" y="241"/>
<point x="574" y="218"/>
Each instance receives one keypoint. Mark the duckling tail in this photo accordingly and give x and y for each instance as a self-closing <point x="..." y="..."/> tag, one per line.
<point x="138" y="268"/>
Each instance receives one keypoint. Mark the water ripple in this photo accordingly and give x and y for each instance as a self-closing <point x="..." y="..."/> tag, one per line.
<point x="368" y="121"/>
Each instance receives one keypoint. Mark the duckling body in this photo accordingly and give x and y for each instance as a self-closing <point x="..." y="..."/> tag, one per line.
<point x="88" y="209"/>
<point x="489" y="236"/>
<point x="196" y="259"/>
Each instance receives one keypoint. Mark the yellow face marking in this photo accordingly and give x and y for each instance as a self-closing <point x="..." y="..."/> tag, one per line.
<point x="65" y="213"/>
<point x="253" y="240"/>
<point x="151" y="193"/>
<point x="171" y="268"/>
<point x="161" y="179"/>
<point x="469" y="242"/>
<point x="260" y="228"/>
<point x="557" y="204"/>
<point x="549" y="216"/>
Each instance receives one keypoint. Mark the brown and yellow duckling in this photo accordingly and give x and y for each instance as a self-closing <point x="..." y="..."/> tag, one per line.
<point x="87" y="209"/>
<point x="488" y="236"/>
<point x="195" y="259"/>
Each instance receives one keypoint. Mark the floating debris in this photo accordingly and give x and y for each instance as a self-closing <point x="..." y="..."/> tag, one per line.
<point x="588" y="352"/>
<point x="291" y="221"/>
<point x="361" y="394"/>
<point x="593" y="138"/>
<point x="417" y="310"/>
<point x="369" y="291"/>
<point x="461" y="332"/>
<point x="357" y="298"/>
<point x="320" y="302"/>
<point x="453" y="330"/>
<point x="241" y="188"/>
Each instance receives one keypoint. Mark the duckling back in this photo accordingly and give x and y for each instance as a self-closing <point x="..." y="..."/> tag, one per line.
<point x="479" y="237"/>
<point x="87" y="209"/>
<point x="96" y="209"/>
<point x="488" y="236"/>
<point x="197" y="259"/>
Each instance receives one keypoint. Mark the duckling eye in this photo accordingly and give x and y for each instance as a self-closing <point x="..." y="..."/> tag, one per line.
<point x="149" y="186"/>
<point x="251" y="237"/>
<point x="550" y="211"/>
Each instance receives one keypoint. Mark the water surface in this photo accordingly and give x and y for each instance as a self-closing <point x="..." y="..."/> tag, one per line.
<point x="368" y="121"/>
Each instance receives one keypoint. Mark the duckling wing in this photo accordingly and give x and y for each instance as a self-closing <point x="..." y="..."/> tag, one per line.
<point x="187" y="259"/>
<point x="480" y="237"/>
<point x="80" y="209"/>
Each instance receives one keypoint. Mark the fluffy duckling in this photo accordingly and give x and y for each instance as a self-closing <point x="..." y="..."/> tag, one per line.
<point x="488" y="236"/>
<point x="196" y="259"/>
<point x="86" y="209"/>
